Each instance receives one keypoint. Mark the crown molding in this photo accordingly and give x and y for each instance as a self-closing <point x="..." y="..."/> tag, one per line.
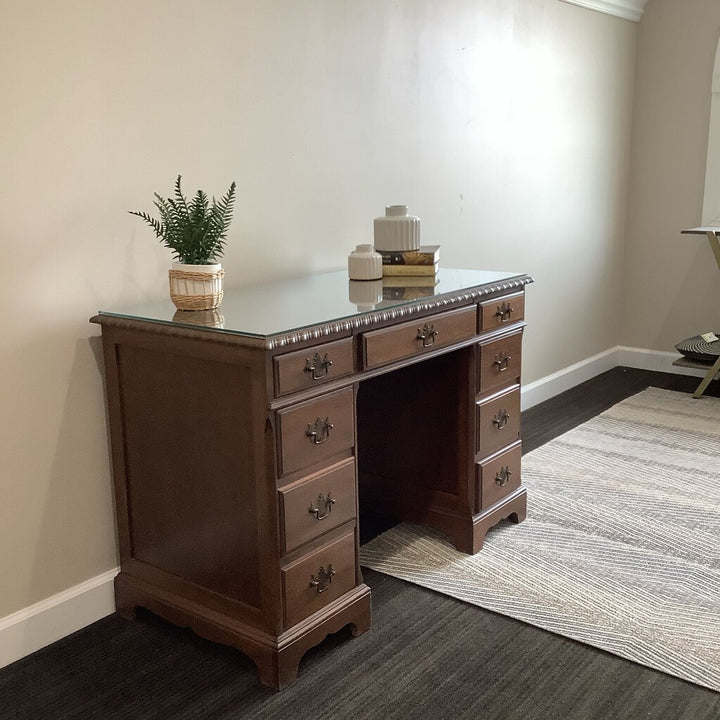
<point x="627" y="9"/>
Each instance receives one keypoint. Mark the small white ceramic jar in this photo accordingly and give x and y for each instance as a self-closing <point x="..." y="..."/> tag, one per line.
<point x="396" y="230"/>
<point x="366" y="294"/>
<point x="365" y="264"/>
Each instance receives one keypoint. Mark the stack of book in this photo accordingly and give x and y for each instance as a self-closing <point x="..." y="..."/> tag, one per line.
<point x="410" y="273"/>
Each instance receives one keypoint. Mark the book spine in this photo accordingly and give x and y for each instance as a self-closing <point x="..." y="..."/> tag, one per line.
<point x="423" y="256"/>
<point x="409" y="270"/>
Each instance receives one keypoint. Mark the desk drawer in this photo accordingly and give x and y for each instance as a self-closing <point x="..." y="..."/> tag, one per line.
<point x="317" y="504"/>
<point x="502" y="311"/>
<point x="314" y="431"/>
<point x="317" y="579"/>
<point x="499" y="362"/>
<point x="312" y="366"/>
<point x="413" y="338"/>
<point x="498" y="422"/>
<point x="497" y="477"/>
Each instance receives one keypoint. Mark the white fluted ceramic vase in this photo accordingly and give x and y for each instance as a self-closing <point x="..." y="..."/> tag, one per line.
<point x="396" y="230"/>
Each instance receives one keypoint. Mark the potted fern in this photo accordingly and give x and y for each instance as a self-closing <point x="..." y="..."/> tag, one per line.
<point x="195" y="231"/>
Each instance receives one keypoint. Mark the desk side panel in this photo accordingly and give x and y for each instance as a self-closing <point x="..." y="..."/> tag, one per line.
<point x="188" y="461"/>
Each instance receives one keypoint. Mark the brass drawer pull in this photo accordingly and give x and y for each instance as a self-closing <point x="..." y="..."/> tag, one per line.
<point x="323" y="501"/>
<point x="502" y="477"/>
<point x="501" y="419"/>
<point x="502" y="361"/>
<point x="317" y="367"/>
<point x="504" y="312"/>
<point x="427" y="334"/>
<point x="324" y="577"/>
<point x="319" y="431"/>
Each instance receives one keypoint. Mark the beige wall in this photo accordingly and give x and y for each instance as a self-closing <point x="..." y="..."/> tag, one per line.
<point x="711" y="198"/>
<point x="672" y="284"/>
<point x="504" y="125"/>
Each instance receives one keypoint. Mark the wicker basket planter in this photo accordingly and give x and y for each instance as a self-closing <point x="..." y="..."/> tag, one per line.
<point x="196" y="287"/>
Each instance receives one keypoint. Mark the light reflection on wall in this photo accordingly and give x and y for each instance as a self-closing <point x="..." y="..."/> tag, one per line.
<point x="711" y="203"/>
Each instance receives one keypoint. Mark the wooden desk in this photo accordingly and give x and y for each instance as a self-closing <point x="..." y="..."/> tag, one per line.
<point x="240" y="438"/>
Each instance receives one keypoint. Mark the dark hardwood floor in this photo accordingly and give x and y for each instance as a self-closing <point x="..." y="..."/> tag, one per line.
<point x="563" y="412"/>
<point x="425" y="656"/>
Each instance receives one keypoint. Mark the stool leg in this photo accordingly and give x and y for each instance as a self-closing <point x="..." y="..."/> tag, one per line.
<point x="714" y="245"/>
<point x="714" y="370"/>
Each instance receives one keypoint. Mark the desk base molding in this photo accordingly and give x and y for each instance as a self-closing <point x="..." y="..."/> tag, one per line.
<point x="276" y="658"/>
<point x="513" y="508"/>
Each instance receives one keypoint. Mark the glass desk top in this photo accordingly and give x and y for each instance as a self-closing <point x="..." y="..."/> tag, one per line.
<point x="271" y="308"/>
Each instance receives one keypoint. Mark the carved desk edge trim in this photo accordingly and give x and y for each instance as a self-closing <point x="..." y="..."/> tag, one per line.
<point x="317" y="332"/>
<point x="395" y="313"/>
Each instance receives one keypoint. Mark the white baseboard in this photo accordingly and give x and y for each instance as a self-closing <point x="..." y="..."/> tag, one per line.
<point x="653" y="360"/>
<point x="34" y="627"/>
<point x="639" y="358"/>
<point x="562" y="380"/>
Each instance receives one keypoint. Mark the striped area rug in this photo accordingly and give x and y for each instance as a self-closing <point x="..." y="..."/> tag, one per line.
<point x="621" y="546"/>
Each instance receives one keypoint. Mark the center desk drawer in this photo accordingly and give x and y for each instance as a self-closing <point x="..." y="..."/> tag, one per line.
<point x="314" y="431"/>
<point x="317" y="504"/>
<point x="317" y="579"/>
<point x="413" y="338"/>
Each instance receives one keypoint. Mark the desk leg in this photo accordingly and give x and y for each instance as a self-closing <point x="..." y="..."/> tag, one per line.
<point x="714" y="370"/>
<point x="513" y="508"/>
